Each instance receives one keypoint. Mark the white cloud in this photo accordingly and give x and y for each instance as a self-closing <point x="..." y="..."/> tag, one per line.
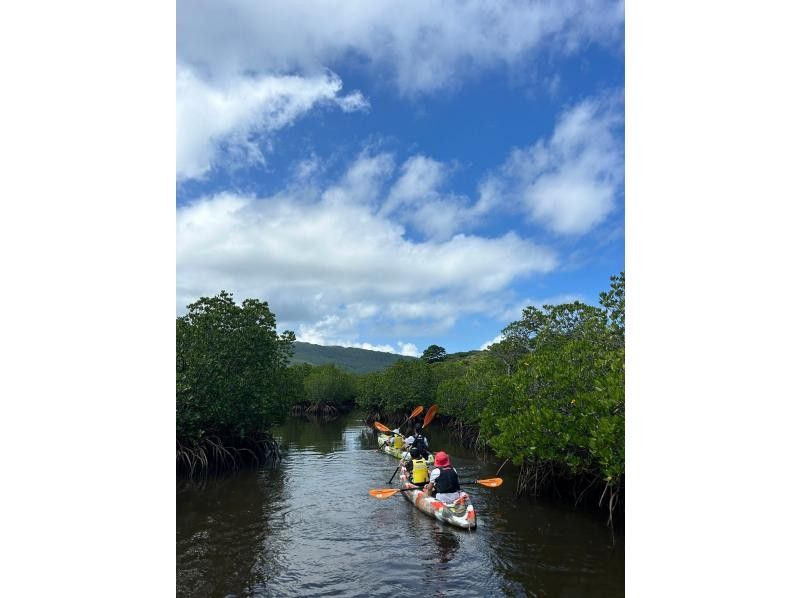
<point x="331" y="264"/>
<point x="420" y="180"/>
<point x="416" y="199"/>
<point x="353" y="102"/>
<point x="235" y="110"/>
<point x="423" y="47"/>
<point x="487" y="344"/>
<point x="408" y="349"/>
<point x="568" y="183"/>
<point x="363" y="181"/>
<point x="401" y="348"/>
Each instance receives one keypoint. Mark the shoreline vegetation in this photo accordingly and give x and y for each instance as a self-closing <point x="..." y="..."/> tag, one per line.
<point x="549" y="397"/>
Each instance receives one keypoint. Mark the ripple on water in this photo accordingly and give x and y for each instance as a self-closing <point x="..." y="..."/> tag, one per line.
<point x="311" y="529"/>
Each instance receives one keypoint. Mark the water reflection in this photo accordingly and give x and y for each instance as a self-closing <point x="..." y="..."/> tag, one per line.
<point x="225" y="534"/>
<point x="445" y="543"/>
<point x="322" y="434"/>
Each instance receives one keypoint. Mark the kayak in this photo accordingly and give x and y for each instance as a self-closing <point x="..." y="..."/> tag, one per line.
<point x="460" y="514"/>
<point x="386" y="447"/>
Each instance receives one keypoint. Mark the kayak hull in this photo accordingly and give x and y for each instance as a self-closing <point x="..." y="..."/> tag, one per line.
<point x="461" y="514"/>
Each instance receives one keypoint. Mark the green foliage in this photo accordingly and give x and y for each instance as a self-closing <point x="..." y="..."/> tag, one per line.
<point x="328" y="385"/>
<point x="408" y="384"/>
<point x="397" y="389"/>
<point x="614" y="303"/>
<point x="508" y="352"/>
<point x="564" y="401"/>
<point x="555" y="324"/>
<point x="371" y="390"/>
<point x="464" y="395"/>
<point x="294" y="391"/>
<point x="564" y="404"/>
<point x="232" y="372"/>
<point x="434" y="353"/>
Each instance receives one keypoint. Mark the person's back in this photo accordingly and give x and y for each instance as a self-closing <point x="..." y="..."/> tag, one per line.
<point x="444" y="479"/>
<point x="419" y="468"/>
<point x="418" y="440"/>
<point x="397" y="441"/>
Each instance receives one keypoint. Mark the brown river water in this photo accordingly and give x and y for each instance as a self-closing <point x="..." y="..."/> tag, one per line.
<point x="310" y="528"/>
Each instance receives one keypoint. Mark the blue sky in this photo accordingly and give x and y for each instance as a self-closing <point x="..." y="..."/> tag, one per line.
<point x="391" y="178"/>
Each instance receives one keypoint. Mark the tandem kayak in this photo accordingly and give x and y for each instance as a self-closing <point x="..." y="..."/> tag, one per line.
<point x="460" y="514"/>
<point x="386" y="447"/>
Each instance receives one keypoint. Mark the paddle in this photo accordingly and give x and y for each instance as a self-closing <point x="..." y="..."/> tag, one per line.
<point x="382" y="493"/>
<point x="430" y="415"/>
<point x="428" y="418"/>
<point x="381" y="427"/>
<point x="395" y="472"/>
<point x="415" y="413"/>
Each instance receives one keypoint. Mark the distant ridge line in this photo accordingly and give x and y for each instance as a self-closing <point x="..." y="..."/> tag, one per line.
<point x="352" y="359"/>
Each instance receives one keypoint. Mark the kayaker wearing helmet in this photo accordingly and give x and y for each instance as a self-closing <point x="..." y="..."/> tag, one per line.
<point x="417" y="468"/>
<point x="444" y="480"/>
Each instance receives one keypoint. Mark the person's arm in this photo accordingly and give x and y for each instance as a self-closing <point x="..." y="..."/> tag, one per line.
<point x="431" y="487"/>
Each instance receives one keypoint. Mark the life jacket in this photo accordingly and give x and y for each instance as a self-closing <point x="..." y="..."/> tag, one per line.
<point x="419" y="473"/>
<point x="398" y="442"/>
<point x="447" y="481"/>
<point x="420" y="443"/>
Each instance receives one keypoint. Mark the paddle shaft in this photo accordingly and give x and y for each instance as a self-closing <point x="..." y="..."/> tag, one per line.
<point x="394" y="474"/>
<point x="413" y="415"/>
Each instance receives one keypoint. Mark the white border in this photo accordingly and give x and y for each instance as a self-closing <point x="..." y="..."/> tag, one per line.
<point x="88" y="245"/>
<point x="711" y="189"/>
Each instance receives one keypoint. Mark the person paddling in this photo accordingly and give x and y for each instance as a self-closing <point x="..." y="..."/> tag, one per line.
<point x="398" y="439"/>
<point x="444" y="480"/>
<point x="418" y="440"/>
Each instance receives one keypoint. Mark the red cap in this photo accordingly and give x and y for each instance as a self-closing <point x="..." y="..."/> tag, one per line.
<point x="441" y="460"/>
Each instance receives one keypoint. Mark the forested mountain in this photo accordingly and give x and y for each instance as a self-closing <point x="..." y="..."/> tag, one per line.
<point x="359" y="361"/>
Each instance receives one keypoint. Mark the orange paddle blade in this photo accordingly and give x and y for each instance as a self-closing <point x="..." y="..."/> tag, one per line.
<point x="384" y="492"/>
<point x="416" y="412"/>
<point x="490" y="482"/>
<point x="430" y="415"/>
<point x="381" y="427"/>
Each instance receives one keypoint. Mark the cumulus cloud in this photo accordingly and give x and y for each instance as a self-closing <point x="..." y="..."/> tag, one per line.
<point x="567" y="183"/>
<point x="363" y="181"/>
<point x="334" y="263"/>
<point x="235" y="111"/>
<point x="423" y="47"/>
<point x="418" y="199"/>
